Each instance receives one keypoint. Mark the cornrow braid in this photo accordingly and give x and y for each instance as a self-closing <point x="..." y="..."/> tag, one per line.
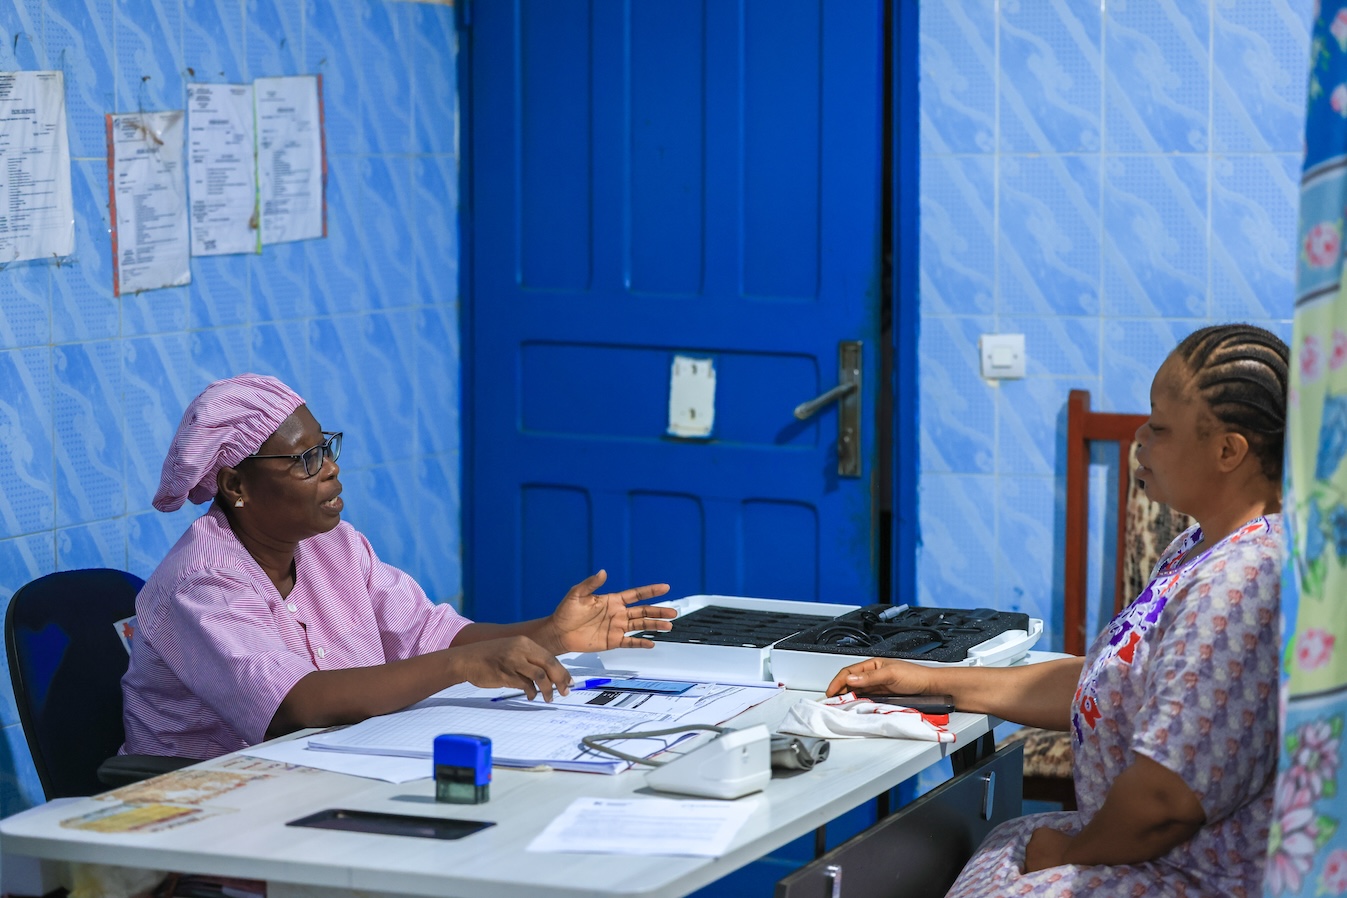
<point x="1242" y="373"/>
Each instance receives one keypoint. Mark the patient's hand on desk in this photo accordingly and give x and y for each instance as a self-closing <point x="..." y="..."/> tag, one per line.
<point x="586" y="622"/>
<point x="513" y="661"/>
<point x="883" y="675"/>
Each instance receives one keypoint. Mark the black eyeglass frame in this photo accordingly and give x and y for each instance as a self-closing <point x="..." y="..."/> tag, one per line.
<point x="324" y="449"/>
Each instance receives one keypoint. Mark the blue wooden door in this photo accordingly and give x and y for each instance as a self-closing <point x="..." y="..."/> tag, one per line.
<point x="661" y="178"/>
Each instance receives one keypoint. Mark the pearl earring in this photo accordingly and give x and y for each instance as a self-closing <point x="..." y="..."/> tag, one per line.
<point x="238" y="503"/>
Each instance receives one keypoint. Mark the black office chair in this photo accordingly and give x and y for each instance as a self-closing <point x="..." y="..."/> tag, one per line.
<point x="66" y="663"/>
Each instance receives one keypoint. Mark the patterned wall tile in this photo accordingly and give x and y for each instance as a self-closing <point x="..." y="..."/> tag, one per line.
<point x="25" y="304"/>
<point x="1155" y="230"/>
<point x="439" y="548"/>
<point x="218" y="294"/>
<point x="150" y="64"/>
<point x="958" y="76"/>
<point x="1058" y="346"/>
<point x="83" y="307"/>
<point x="26" y="452"/>
<point x="88" y="425"/>
<point x="1030" y="425"/>
<point x="1253" y="225"/>
<point x="385" y="212"/>
<point x="23" y="559"/>
<point x="21" y="44"/>
<point x="278" y="284"/>
<point x="957" y="409"/>
<point x="377" y="501"/>
<point x="273" y="38"/>
<point x="212" y="41"/>
<point x="435" y="237"/>
<point x="956" y="564"/>
<point x="217" y="354"/>
<point x="1133" y="352"/>
<point x="99" y="544"/>
<point x="339" y="265"/>
<point x="958" y="236"/>
<point x="333" y="37"/>
<point x="438" y="426"/>
<point x="358" y="362"/>
<point x="154" y="311"/>
<point x="79" y="37"/>
<point x="434" y="79"/>
<point x="384" y="42"/>
<point x="1048" y="257"/>
<point x="1029" y="555"/>
<point x="159" y="382"/>
<point x="1049" y="77"/>
<point x="1260" y="58"/>
<point x="1156" y="84"/>
<point x="282" y="350"/>
<point x="150" y="534"/>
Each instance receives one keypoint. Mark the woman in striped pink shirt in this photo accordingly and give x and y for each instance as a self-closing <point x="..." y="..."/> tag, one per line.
<point x="271" y="614"/>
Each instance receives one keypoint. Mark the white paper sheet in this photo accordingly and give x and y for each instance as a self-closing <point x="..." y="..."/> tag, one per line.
<point x="379" y="767"/>
<point x="646" y="826"/>
<point x="290" y="157"/>
<point x="222" y="150"/>
<point x="149" y="201"/>
<point x="37" y="219"/>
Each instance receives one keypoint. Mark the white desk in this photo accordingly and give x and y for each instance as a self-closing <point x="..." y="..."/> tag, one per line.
<point x="253" y="841"/>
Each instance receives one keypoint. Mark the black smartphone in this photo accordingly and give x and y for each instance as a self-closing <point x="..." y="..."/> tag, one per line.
<point x="926" y="704"/>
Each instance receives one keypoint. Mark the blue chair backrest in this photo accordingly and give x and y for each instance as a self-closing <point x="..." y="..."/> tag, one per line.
<point x="66" y="663"/>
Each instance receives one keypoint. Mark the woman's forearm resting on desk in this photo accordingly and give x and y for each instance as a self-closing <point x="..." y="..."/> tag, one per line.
<point x="1035" y="695"/>
<point x="350" y="695"/>
<point x="1148" y="811"/>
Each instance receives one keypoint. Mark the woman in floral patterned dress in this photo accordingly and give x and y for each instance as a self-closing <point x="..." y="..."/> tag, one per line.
<point x="1173" y="711"/>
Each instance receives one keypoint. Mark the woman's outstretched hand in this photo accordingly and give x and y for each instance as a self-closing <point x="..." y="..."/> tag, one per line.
<point x="882" y="675"/>
<point x="587" y="621"/>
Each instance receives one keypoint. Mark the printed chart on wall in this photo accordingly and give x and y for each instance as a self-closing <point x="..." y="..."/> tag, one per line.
<point x="291" y="166"/>
<point x="223" y="183"/>
<point x="37" y="218"/>
<point x="148" y="201"/>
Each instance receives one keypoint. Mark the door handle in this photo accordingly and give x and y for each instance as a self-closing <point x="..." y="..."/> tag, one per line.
<point x="847" y="395"/>
<point x="808" y="409"/>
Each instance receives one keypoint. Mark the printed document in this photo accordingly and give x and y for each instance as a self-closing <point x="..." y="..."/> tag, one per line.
<point x="37" y="218"/>
<point x="149" y="201"/>
<point x="223" y="175"/>
<point x="646" y="826"/>
<point x="290" y="157"/>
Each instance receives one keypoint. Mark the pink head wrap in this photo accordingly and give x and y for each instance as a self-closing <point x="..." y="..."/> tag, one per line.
<point x="228" y="422"/>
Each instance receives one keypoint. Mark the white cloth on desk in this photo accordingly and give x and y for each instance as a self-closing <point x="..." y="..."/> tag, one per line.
<point x="847" y="716"/>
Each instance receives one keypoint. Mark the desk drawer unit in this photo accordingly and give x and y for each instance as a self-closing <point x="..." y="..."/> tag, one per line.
<point x="918" y="851"/>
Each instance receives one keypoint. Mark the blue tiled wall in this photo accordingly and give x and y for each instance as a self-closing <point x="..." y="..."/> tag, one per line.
<point x="364" y="324"/>
<point x="1104" y="181"/>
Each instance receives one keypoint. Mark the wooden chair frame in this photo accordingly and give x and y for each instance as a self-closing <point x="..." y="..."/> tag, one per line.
<point x="1084" y="427"/>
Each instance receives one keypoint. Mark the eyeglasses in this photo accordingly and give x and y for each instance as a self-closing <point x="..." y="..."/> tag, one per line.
<point x="313" y="458"/>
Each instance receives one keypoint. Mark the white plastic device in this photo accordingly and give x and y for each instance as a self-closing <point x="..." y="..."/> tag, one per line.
<point x="729" y="766"/>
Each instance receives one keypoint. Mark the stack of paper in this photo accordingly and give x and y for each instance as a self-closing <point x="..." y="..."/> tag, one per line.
<point x="533" y="734"/>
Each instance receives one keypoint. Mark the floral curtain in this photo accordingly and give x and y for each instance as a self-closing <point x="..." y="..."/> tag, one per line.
<point x="1307" y="853"/>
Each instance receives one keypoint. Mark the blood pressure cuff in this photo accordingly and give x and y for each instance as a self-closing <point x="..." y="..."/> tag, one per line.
<point x="797" y="752"/>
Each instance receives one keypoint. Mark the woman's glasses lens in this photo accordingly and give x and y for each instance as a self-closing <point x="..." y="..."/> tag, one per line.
<point x="313" y="458"/>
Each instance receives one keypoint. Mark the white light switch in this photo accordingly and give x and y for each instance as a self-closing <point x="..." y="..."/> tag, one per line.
<point x="692" y="397"/>
<point x="1003" y="355"/>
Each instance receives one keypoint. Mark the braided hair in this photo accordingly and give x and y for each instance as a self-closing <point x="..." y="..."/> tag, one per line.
<point x="1241" y="372"/>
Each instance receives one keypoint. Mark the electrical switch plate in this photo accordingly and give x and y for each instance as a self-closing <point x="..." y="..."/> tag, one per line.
<point x="1002" y="355"/>
<point x="692" y="397"/>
